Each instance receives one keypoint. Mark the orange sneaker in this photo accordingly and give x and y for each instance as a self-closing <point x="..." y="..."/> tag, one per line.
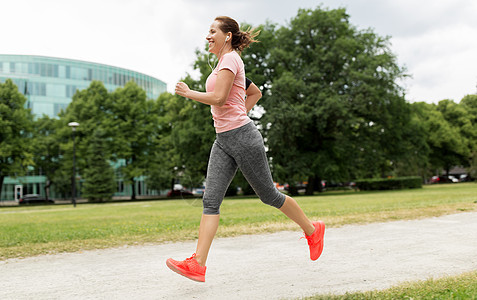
<point x="316" y="241"/>
<point x="189" y="268"/>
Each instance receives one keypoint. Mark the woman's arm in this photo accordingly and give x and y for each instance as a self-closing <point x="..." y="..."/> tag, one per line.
<point x="253" y="95"/>
<point x="218" y="97"/>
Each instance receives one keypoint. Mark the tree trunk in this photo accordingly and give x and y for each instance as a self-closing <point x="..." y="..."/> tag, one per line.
<point x="310" y="187"/>
<point x="1" y="184"/>
<point x="293" y="190"/>
<point x="314" y="185"/>
<point x="133" y="195"/>
<point x="47" y="190"/>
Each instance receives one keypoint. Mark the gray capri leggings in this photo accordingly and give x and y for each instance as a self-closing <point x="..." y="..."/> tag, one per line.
<point x="239" y="148"/>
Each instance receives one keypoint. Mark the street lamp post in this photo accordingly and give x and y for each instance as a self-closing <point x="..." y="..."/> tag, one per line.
<point x="73" y="126"/>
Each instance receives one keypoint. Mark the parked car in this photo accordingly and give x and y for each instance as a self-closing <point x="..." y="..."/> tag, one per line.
<point x="34" y="198"/>
<point x="444" y="179"/>
<point x="453" y="178"/>
<point x="199" y="192"/>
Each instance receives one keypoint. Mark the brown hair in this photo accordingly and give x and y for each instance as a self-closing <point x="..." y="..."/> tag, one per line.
<point x="240" y="39"/>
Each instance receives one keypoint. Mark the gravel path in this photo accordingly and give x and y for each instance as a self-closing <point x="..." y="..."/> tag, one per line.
<point x="270" y="266"/>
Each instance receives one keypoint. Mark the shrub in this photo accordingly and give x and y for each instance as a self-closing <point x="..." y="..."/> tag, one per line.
<point x="396" y="183"/>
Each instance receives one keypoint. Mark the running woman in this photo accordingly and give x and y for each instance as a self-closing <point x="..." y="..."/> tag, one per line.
<point x="238" y="144"/>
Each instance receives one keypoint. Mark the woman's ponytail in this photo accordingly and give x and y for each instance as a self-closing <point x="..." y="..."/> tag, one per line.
<point x="244" y="39"/>
<point x="240" y="39"/>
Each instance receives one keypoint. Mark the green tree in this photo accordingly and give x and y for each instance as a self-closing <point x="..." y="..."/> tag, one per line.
<point x="15" y="132"/>
<point x="127" y="120"/>
<point x="256" y="59"/>
<point x="163" y="161"/>
<point x="63" y="181"/>
<point x="416" y="150"/>
<point x="91" y="108"/>
<point x="334" y="109"/>
<point x="460" y="121"/>
<point x="443" y="139"/>
<point x="469" y="103"/>
<point x="46" y="149"/>
<point x="99" y="184"/>
<point x="135" y="124"/>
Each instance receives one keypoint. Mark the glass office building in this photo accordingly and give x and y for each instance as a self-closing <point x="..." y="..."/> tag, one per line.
<point x="49" y="83"/>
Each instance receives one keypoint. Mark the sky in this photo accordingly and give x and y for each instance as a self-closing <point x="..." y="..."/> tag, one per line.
<point x="435" y="40"/>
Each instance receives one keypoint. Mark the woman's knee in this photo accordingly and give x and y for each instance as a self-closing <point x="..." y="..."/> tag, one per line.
<point x="211" y="206"/>
<point x="276" y="201"/>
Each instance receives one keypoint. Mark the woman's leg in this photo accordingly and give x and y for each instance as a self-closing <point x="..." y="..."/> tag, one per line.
<point x="253" y="163"/>
<point x="292" y="210"/>
<point x="220" y="172"/>
<point x="208" y="228"/>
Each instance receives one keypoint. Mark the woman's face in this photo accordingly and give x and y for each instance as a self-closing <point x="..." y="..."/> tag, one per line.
<point x="216" y="38"/>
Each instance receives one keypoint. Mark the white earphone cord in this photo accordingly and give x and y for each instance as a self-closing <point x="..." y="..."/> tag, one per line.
<point x="220" y="52"/>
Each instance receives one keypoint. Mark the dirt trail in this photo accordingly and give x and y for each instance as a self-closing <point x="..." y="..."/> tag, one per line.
<point x="270" y="266"/>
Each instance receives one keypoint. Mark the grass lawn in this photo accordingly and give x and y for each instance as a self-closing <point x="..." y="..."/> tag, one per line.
<point x="463" y="286"/>
<point x="34" y="230"/>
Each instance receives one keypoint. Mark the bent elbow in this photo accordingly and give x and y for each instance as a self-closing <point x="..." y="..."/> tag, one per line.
<point x="220" y="101"/>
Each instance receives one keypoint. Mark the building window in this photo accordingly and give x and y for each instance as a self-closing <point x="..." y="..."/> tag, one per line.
<point x="55" y="90"/>
<point x="12" y="67"/>
<point x="70" y="90"/>
<point x="23" y="68"/>
<point x="79" y="73"/>
<point x="36" y="88"/>
<point x="55" y="70"/>
<point x="33" y="68"/>
<point x="43" y="70"/>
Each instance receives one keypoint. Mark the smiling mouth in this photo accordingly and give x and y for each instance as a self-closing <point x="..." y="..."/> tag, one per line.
<point x="211" y="44"/>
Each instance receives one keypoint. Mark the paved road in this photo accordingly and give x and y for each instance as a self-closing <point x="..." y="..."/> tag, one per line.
<point x="270" y="266"/>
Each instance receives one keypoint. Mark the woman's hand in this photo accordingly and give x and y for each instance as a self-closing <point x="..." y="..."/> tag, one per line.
<point x="182" y="89"/>
<point x="253" y="95"/>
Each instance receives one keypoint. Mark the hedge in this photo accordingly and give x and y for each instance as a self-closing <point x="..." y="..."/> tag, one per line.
<point x="395" y="183"/>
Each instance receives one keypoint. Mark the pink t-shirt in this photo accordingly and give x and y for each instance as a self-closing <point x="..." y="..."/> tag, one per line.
<point x="233" y="113"/>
